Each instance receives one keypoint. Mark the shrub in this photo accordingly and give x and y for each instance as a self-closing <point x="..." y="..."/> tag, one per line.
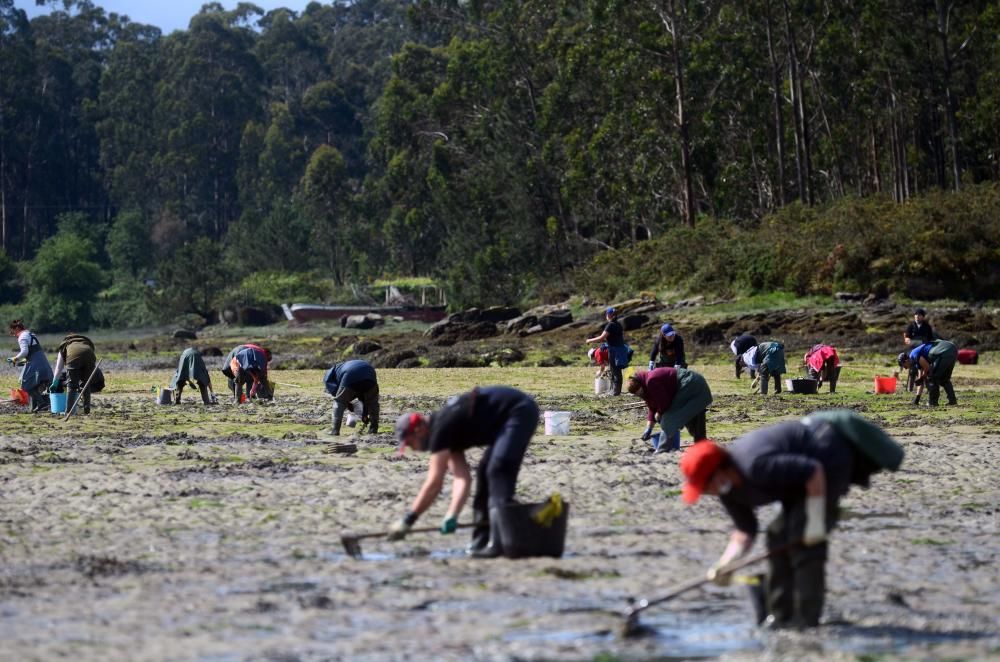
<point x="63" y="281"/>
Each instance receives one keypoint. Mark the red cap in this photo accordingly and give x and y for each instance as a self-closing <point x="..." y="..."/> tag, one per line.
<point x="698" y="463"/>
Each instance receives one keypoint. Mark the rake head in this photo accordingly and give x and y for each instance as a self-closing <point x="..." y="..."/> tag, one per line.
<point x="351" y="545"/>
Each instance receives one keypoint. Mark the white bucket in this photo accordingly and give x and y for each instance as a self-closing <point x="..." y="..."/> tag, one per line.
<point x="602" y="385"/>
<point x="556" y="422"/>
<point x="352" y="419"/>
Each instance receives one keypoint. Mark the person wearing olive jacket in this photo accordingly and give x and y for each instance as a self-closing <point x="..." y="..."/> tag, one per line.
<point x="676" y="397"/>
<point x="76" y="354"/>
<point x="500" y="418"/>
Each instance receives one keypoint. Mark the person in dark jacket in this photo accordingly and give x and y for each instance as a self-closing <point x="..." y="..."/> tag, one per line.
<point x="669" y="345"/>
<point x="822" y="363"/>
<point x="676" y="397"/>
<point x="768" y="359"/>
<point x="36" y="373"/>
<point x="350" y="381"/>
<point x="76" y="354"/>
<point x="500" y="418"/>
<point x="805" y="465"/>
<point x="740" y="345"/>
<point x="246" y="365"/>
<point x="191" y="370"/>
<point x="935" y="362"/>
<point x="917" y="332"/>
<point x="613" y="336"/>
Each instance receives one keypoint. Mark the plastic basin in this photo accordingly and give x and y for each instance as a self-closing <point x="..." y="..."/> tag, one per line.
<point x="556" y="422"/>
<point x="804" y="386"/>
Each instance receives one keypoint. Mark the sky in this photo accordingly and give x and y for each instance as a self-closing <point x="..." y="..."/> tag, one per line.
<point x="168" y="15"/>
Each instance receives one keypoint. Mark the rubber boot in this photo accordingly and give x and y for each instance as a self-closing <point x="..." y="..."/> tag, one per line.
<point x="39" y="400"/>
<point x="834" y="376"/>
<point x="177" y="393"/>
<point x="765" y="378"/>
<point x="777" y="384"/>
<point x="480" y="532"/>
<point x="779" y="591"/>
<point x="204" y="394"/>
<point x="949" y="391"/>
<point x="933" y="394"/>
<point x="338" y="417"/>
<point x="71" y="397"/>
<point x="810" y="589"/>
<point x="86" y="401"/>
<point x="494" y="547"/>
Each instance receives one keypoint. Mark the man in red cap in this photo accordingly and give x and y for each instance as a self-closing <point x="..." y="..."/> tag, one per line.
<point x="500" y="418"/>
<point x="806" y="465"/>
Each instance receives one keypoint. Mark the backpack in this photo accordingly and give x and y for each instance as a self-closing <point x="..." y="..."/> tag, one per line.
<point x="877" y="450"/>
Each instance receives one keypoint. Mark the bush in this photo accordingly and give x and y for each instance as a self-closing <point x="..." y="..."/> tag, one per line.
<point x="939" y="245"/>
<point x="63" y="281"/>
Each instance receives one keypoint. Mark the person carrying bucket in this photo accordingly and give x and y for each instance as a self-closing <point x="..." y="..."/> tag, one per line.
<point x="768" y="359"/>
<point x="739" y="346"/>
<point x="822" y="363"/>
<point x="246" y="365"/>
<point x="613" y="336"/>
<point x="76" y="354"/>
<point x="36" y="372"/>
<point x="191" y="370"/>
<point x="807" y="466"/>
<point x="935" y="361"/>
<point x="500" y="418"/>
<point x="669" y="345"/>
<point x="350" y="381"/>
<point x="676" y="397"/>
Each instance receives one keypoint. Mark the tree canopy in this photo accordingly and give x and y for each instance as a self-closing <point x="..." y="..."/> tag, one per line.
<point x="496" y="145"/>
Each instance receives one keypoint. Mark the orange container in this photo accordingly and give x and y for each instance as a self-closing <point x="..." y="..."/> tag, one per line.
<point x="19" y="395"/>
<point x="885" y="384"/>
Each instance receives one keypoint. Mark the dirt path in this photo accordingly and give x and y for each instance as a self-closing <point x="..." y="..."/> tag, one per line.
<point x="172" y="533"/>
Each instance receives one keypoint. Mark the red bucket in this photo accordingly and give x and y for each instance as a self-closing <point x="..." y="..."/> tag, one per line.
<point x="19" y="396"/>
<point x="885" y="384"/>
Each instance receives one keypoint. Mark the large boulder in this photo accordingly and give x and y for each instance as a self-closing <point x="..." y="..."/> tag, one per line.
<point x="366" y="321"/>
<point x="495" y="314"/>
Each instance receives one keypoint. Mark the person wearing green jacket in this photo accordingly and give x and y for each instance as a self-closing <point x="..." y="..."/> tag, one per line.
<point x="191" y="370"/>
<point x="76" y="354"/>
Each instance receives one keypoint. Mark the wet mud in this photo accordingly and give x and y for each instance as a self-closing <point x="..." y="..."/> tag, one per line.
<point x="127" y="542"/>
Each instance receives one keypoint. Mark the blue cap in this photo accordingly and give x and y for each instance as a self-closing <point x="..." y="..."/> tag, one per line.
<point x="668" y="331"/>
<point x="610" y="311"/>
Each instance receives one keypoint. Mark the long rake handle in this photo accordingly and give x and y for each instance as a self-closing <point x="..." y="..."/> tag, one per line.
<point x="701" y="581"/>
<point x="382" y="534"/>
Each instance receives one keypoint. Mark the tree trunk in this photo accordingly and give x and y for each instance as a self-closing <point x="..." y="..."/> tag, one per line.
<point x="801" y="123"/>
<point x="671" y="23"/>
<point x="779" y="119"/>
<point x="943" y="28"/>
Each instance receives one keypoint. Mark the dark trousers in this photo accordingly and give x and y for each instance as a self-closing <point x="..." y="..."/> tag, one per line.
<point x="201" y="387"/>
<point x="765" y="377"/>
<point x="940" y="377"/>
<point x="367" y="392"/>
<point x="77" y="374"/>
<point x="796" y="578"/>
<point x="616" y="379"/>
<point x="496" y="474"/>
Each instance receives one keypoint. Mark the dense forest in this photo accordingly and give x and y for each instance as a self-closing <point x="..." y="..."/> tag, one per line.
<point x="511" y="150"/>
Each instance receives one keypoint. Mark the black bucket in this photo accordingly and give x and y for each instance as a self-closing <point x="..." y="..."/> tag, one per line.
<point x="522" y="536"/>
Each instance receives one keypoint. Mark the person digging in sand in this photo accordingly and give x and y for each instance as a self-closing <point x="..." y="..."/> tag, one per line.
<point x="676" y="397"/>
<point x="500" y="418"/>
<point x="807" y="466"/>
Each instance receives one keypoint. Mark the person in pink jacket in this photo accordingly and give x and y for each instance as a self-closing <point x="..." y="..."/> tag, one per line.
<point x="823" y="363"/>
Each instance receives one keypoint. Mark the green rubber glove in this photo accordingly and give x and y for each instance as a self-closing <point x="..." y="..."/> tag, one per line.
<point x="449" y="525"/>
<point x="10" y="359"/>
<point x="54" y="384"/>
